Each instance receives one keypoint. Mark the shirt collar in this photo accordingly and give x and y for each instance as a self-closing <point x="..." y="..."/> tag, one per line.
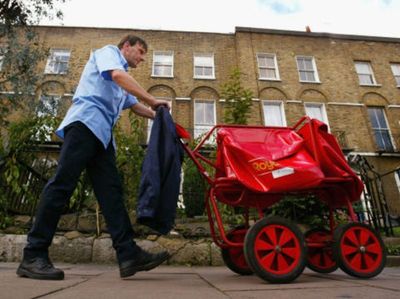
<point x="124" y="62"/>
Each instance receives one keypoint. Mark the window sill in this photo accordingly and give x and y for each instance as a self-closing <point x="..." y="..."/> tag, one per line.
<point x="167" y="77"/>
<point x="269" y="79"/>
<point x="204" y="78"/>
<point x="311" y="82"/>
<point x="371" y="85"/>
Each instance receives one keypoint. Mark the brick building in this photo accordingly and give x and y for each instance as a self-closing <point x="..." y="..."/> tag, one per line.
<point x="350" y="82"/>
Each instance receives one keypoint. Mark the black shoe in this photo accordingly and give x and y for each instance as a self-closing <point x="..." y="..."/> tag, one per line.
<point x="144" y="261"/>
<point x="39" y="268"/>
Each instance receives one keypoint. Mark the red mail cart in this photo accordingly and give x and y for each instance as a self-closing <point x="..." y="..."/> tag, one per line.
<point x="255" y="167"/>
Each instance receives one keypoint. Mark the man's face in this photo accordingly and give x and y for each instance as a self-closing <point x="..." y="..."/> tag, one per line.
<point x="134" y="54"/>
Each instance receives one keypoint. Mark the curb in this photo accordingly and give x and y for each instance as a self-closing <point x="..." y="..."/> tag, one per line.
<point x="81" y="249"/>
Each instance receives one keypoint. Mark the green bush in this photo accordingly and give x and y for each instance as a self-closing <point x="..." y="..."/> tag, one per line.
<point x="393" y="250"/>
<point x="305" y="210"/>
<point x="129" y="157"/>
<point x="194" y="188"/>
<point x="28" y="132"/>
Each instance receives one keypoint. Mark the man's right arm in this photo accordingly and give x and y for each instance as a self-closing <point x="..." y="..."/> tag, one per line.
<point x="129" y="84"/>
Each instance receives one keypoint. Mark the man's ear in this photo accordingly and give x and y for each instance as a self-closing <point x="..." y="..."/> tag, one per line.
<point x="126" y="44"/>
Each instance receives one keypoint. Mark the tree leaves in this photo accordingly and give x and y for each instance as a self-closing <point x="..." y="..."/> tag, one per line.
<point x="238" y="99"/>
<point x="21" y="51"/>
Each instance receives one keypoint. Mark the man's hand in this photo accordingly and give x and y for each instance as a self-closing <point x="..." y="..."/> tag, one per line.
<point x="159" y="103"/>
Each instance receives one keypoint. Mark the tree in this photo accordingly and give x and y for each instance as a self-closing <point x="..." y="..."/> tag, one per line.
<point x="238" y="99"/>
<point x="21" y="51"/>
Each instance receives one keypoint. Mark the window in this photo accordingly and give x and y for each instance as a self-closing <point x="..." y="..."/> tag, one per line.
<point x="204" y="116"/>
<point x="2" y="56"/>
<point x="274" y="114"/>
<point x="150" y="121"/>
<point x="307" y="69"/>
<point x="365" y="74"/>
<point x="163" y="64"/>
<point x="316" y="110"/>
<point x="396" y="72"/>
<point x="397" y="178"/>
<point x="380" y="129"/>
<point x="57" y="63"/>
<point x="204" y="66"/>
<point x="48" y="106"/>
<point x="267" y="67"/>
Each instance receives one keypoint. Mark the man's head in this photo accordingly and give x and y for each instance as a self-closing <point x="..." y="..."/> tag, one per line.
<point x="134" y="49"/>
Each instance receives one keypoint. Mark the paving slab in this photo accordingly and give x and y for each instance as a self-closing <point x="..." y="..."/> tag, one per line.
<point x="103" y="281"/>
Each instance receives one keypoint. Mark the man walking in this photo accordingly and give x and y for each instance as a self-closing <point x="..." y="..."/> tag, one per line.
<point x="104" y="90"/>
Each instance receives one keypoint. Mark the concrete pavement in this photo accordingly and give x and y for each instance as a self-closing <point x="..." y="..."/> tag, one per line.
<point x="102" y="281"/>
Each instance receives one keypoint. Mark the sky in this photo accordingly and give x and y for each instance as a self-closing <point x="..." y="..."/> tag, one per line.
<point x="358" y="17"/>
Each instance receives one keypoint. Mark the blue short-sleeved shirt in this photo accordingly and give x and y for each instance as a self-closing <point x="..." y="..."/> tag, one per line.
<point x="98" y="101"/>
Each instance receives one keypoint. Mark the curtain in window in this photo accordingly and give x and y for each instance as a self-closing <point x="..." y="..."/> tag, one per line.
<point x="273" y="114"/>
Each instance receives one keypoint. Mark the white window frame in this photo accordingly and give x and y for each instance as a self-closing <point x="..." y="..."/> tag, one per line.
<point x="275" y="68"/>
<point x="314" y="69"/>
<point x="57" y="59"/>
<point x="3" y="52"/>
<point x="397" y="179"/>
<point x="161" y="64"/>
<point x="281" y="110"/>
<point x="382" y="129"/>
<point x="322" y="108"/>
<point x="369" y="73"/>
<point x="205" y="65"/>
<point x="396" y="72"/>
<point x="200" y="128"/>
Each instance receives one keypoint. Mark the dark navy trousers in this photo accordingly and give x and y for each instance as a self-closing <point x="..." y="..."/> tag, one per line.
<point x="82" y="149"/>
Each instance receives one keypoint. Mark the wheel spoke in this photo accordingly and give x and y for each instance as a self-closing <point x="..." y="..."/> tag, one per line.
<point x="374" y="248"/>
<point x="347" y="250"/>
<point x="286" y="237"/>
<point x="271" y="233"/>
<point x="328" y="258"/>
<point x="369" y="261"/>
<point x="291" y="252"/>
<point x="282" y="263"/>
<point x="364" y="237"/>
<point x="268" y="259"/>
<point x="350" y="238"/>
<point x="355" y="260"/>
<point x="241" y="260"/>
<point x="263" y="245"/>
<point x="323" y="259"/>
<point x="315" y="258"/>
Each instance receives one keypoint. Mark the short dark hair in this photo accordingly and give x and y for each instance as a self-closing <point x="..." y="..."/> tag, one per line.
<point x="133" y="40"/>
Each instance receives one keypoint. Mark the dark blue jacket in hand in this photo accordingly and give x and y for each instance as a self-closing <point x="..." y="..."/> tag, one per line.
<point x="161" y="175"/>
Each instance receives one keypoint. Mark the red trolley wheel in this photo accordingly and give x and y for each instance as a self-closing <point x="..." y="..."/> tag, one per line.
<point x="359" y="250"/>
<point x="275" y="250"/>
<point x="320" y="259"/>
<point x="234" y="256"/>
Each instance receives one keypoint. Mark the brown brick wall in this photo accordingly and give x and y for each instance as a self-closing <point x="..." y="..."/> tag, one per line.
<point x="334" y="57"/>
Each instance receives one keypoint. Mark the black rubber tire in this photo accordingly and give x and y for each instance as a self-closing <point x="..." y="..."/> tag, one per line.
<point x="296" y="243"/>
<point x="343" y="236"/>
<point x="229" y="255"/>
<point x="320" y="251"/>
